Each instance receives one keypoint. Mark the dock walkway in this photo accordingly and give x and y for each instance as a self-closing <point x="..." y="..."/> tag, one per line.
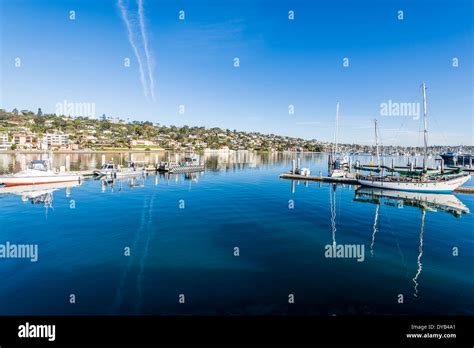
<point x="462" y="189"/>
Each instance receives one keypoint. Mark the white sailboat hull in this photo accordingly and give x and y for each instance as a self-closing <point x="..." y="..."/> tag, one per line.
<point x="447" y="185"/>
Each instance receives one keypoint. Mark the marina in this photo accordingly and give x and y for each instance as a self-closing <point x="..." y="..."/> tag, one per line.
<point x="290" y="172"/>
<point x="281" y="242"/>
<point x="408" y="178"/>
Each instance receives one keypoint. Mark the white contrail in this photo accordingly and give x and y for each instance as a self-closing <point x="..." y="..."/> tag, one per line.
<point x="149" y="60"/>
<point x="134" y="47"/>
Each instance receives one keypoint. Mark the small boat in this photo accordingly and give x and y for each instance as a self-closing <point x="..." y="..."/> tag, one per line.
<point x="106" y="169"/>
<point x="298" y="170"/>
<point x="38" y="173"/>
<point x="303" y="171"/>
<point x="191" y="163"/>
<point x="457" y="158"/>
<point x="111" y="171"/>
<point x="340" y="167"/>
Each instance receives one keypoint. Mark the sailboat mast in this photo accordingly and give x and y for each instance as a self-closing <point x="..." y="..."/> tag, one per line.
<point x="337" y="128"/>
<point x="425" y="131"/>
<point x="377" y="144"/>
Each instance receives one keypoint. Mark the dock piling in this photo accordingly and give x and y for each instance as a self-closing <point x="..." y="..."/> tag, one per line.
<point x="68" y="163"/>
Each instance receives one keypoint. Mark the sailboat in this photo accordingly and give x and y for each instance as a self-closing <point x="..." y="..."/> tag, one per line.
<point x="422" y="182"/>
<point x="338" y="163"/>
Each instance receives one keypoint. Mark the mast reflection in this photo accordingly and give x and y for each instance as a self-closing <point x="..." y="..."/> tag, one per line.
<point x="424" y="201"/>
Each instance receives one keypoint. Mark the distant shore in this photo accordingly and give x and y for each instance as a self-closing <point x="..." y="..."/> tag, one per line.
<point x="28" y="152"/>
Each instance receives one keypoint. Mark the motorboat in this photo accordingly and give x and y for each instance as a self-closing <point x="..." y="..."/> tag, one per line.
<point x="112" y="171"/>
<point x="39" y="173"/>
<point x="191" y="163"/>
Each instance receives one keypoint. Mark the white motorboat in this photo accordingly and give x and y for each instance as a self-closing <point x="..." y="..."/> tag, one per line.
<point x="106" y="169"/>
<point x="111" y="171"/>
<point x="38" y="173"/>
<point x="340" y="167"/>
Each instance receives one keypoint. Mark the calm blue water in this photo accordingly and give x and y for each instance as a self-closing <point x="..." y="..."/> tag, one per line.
<point x="189" y="250"/>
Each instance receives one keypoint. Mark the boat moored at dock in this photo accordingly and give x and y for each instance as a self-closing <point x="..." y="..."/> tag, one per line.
<point x="444" y="183"/>
<point x="457" y="158"/>
<point x="423" y="180"/>
<point x="39" y="173"/>
<point x="112" y="171"/>
<point x="191" y="163"/>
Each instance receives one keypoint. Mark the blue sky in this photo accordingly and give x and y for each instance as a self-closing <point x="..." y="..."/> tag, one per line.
<point x="282" y="63"/>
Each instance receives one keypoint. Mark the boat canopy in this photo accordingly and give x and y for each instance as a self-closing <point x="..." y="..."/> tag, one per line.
<point x="39" y="164"/>
<point x="109" y="165"/>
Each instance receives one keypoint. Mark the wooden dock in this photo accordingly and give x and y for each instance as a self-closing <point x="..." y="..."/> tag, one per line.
<point x="462" y="189"/>
<point x="318" y="178"/>
<point x="465" y="189"/>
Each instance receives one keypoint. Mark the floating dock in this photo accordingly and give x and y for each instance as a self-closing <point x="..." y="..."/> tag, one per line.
<point x="465" y="189"/>
<point x="85" y="173"/>
<point x="318" y="178"/>
<point x="462" y="189"/>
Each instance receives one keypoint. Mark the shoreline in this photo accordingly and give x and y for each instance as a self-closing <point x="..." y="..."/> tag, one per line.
<point x="34" y="152"/>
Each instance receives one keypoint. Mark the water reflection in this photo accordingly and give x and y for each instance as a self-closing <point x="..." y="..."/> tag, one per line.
<point x="332" y="205"/>
<point x="214" y="161"/>
<point x="424" y="201"/>
<point x="418" y="271"/>
<point x="430" y="201"/>
<point x="119" y="183"/>
<point x="243" y="205"/>
<point x="39" y="194"/>
<point x="374" y="230"/>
